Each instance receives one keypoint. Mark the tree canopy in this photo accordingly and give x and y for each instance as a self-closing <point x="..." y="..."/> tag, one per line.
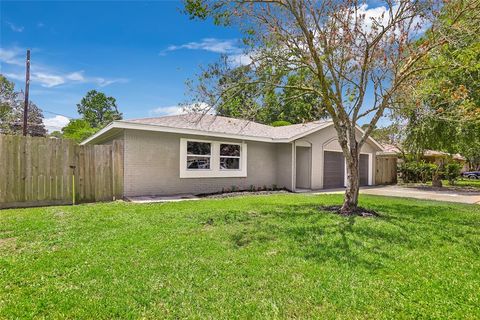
<point x="11" y="112"/>
<point x="248" y="98"/>
<point x="78" y="130"/>
<point x="441" y="104"/>
<point x="98" y="109"/>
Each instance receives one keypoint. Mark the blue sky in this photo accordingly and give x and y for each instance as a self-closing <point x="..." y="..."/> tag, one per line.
<point x="141" y="53"/>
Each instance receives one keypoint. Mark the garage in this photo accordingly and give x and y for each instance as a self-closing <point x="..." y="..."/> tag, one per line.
<point x="334" y="170"/>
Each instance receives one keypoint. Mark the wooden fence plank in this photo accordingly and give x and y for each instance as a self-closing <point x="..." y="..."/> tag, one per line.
<point x="3" y="169"/>
<point x="36" y="171"/>
<point x="386" y="170"/>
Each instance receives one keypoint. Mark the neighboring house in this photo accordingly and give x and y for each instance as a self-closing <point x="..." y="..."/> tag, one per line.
<point x="431" y="156"/>
<point x="198" y="154"/>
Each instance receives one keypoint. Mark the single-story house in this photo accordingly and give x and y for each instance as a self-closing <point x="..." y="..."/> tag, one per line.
<point x="195" y="154"/>
<point x="431" y="156"/>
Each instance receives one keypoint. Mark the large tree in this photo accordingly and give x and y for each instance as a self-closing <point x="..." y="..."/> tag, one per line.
<point x="349" y="51"/>
<point x="7" y="101"/>
<point x="252" y="99"/>
<point x="98" y="109"/>
<point x="441" y="105"/>
<point x="35" y="125"/>
<point x="11" y="112"/>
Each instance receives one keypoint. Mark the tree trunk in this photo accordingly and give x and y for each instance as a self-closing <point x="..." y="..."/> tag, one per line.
<point x="350" y="202"/>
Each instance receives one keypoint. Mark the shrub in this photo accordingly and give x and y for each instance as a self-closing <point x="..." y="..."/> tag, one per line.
<point x="417" y="171"/>
<point x="280" y="123"/>
<point x="452" y="172"/>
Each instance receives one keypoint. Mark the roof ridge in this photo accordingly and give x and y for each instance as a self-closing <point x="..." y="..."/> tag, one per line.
<point x="229" y="118"/>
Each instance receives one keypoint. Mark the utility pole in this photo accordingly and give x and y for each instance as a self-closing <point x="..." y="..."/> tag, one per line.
<point x="27" y="85"/>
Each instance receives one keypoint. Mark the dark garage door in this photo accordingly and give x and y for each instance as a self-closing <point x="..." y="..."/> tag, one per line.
<point x="333" y="170"/>
<point x="364" y="169"/>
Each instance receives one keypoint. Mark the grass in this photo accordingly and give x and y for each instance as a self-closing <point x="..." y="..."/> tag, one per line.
<point x="460" y="184"/>
<point x="474" y="183"/>
<point x="254" y="257"/>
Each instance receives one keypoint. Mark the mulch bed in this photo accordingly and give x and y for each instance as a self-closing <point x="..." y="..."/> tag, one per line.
<point x="444" y="188"/>
<point x="241" y="193"/>
<point x="360" y="212"/>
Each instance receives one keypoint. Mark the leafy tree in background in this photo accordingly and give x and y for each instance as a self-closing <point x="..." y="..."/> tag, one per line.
<point x="392" y="134"/>
<point x="56" y="134"/>
<point x="78" y="130"/>
<point x="35" y="128"/>
<point x="7" y="100"/>
<point x="248" y="98"/>
<point x="11" y="112"/>
<point x="442" y="104"/>
<point x="98" y="110"/>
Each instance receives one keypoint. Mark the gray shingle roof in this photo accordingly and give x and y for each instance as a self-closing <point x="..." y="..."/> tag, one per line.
<point x="219" y="124"/>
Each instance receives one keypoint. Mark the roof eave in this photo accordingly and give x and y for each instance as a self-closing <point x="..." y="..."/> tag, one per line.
<point x="157" y="128"/>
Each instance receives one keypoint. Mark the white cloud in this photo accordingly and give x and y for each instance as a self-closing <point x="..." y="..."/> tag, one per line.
<point x="167" y="111"/>
<point x="12" y="56"/>
<point x="47" y="80"/>
<point x="240" y="59"/>
<point x="228" y="46"/>
<point x="180" y="109"/>
<point x="44" y="75"/>
<point x="55" y="123"/>
<point x="75" y="76"/>
<point x="14" y="27"/>
<point x="106" y="82"/>
<point x="380" y="16"/>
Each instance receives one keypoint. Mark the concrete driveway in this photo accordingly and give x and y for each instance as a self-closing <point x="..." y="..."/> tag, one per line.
<point x="404" y="192"/>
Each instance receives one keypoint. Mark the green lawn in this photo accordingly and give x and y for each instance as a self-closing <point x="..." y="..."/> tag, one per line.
<point x="460" y="185"/>
<point x="254" y="257"/>
<point x="475" y="183"/>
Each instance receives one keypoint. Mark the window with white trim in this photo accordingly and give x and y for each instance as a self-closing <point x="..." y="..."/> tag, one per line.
<point x="229" y="156"/>
<point x="212" y="159"/>
<point x="199" y="155"/>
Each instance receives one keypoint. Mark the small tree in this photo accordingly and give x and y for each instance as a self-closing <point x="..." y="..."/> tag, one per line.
<point x="7" y="100"/>
<point x="78" y="130"/>
<point x="348" y="51"/>
<point x="452" y="172"/>
<point x="98" y="109"/>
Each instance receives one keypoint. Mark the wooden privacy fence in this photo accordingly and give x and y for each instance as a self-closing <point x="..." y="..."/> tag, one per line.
<point x="42" y="171"/>
<point x="386" y="169"/>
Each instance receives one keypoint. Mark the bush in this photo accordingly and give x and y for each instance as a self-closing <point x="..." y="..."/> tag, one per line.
<point x="417" y="171"/>
<point x="452" y="172"/>
<point x="280" y="123"/>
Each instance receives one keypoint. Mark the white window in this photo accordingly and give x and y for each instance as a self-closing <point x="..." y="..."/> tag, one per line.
<point x="199" y="155"/>
<point x="212" y="159"/>
<point x="229" y="156"/>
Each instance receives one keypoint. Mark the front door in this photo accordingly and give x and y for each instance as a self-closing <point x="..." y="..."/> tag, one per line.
<point x="303" y="165"/>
